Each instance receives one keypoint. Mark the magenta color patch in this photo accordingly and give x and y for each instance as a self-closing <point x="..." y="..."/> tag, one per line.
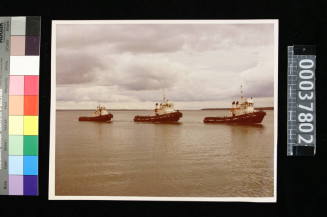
<point x="16" y="185"/>
<point x="31" y="85"/>
<point x="16" y="85"/>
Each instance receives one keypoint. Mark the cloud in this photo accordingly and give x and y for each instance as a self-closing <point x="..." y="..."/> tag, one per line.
<point x="124" y="63"/>
<point x="140" y="74"/>
<point x="76" y="68"/>
<point x="90" y="93"/>
<point x="153" y="38"/>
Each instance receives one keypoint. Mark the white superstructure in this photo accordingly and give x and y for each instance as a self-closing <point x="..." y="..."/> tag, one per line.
<point x="165" y="107"/>
<point x="101" y="110"/>
<point x="244" y="106"/>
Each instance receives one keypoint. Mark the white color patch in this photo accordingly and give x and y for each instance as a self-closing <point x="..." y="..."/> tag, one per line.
<point x="24" y="65"/>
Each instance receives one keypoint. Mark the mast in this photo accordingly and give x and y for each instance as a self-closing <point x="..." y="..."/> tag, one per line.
<point x="241" y="91"/>
<point x="100" y="109"/>
<point x="163" y="95"/>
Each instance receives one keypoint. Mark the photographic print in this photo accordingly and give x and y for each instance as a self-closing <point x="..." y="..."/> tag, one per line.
<point x="180" y="110"/>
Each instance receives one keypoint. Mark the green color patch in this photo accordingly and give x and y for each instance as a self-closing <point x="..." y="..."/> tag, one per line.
<point x="31" y="145"/>
<point x="15" y="145"/>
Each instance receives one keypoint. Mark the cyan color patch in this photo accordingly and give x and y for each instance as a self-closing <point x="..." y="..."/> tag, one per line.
<point x="30" y="165"/>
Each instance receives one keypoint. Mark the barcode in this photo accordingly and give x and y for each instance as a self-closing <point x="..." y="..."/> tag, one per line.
<point x="1" y="32"/>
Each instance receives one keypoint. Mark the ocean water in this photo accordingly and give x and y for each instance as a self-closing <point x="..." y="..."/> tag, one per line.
<point x="189" y="159"/>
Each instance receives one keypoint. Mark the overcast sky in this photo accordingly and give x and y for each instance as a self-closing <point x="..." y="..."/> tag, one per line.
<point x="127" y="66"/>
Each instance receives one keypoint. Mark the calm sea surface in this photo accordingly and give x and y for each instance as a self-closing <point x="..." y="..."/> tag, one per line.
<point x="124" y="158"/>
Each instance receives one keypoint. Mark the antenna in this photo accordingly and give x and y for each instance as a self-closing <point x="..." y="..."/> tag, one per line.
<point x="241" y="91"/>
<point x="164" y="95"/>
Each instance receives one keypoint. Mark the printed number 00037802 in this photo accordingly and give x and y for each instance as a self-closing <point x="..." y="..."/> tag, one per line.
<point x="306" y="95"/>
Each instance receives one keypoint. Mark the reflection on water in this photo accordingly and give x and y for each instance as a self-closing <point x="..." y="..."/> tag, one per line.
<point x="124" y="158"/>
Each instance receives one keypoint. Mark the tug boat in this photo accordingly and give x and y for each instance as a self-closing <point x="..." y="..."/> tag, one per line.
<point x="242" y="112"/>
<point x="101" y="114"/>
<point x="164" y="113"/>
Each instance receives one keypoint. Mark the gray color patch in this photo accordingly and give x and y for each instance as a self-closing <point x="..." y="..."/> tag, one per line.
<point x="18" y="25"/>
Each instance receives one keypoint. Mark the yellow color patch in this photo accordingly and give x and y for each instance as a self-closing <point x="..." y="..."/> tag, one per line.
<point x="31" y="125"/>
<point x="16" y="125"/>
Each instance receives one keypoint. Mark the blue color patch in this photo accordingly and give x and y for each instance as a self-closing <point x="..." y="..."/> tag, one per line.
<point x="15" y="165"/>
<point x="30" y="185"/>
<point x="30" y="165"/>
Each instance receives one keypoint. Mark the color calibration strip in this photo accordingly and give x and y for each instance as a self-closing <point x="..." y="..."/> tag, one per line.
<point x="23" y="106"/>
<point x="4" y="73"/>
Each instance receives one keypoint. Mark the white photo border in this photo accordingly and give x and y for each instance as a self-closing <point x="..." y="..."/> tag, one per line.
<point x="53" y="196"/>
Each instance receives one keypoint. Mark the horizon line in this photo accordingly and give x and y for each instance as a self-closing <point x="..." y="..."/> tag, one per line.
<point x="201" y="109"/>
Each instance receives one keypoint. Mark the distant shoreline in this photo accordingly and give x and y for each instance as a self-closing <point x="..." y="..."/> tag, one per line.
<point x="258" y="108"/>
<point x="203" y="109"/>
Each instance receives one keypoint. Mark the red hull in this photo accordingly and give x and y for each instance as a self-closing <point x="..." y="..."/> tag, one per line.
<point x="251" y="118"/>
<point x="102" y="118"/>
<point x="165" y="118"/>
